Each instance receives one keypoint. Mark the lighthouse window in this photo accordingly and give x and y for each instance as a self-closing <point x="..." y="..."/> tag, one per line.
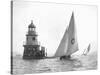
<point x="33" y="38"/>
<point x="33" y="48"/>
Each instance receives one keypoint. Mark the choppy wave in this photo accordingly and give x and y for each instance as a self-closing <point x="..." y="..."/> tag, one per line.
<point x="21" y="66"/>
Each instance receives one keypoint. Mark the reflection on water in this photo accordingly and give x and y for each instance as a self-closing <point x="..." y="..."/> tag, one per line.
<point x="21" y="66"/>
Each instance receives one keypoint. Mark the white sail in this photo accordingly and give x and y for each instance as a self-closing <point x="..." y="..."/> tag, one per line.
<point x="89" y="48"/>
<point x="86" y="51"/>
<point x="68" y="44"/>
<point x="72" y="37"/>
<point x="63" y="45"/>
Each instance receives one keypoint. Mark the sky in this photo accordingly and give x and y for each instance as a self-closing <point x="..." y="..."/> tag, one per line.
<point x="51" y="21"/>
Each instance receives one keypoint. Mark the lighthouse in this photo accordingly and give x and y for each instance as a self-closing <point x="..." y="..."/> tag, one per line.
<point x="32" y="48"/>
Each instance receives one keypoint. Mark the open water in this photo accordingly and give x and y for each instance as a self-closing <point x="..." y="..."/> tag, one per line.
<point x="78" y="62"/>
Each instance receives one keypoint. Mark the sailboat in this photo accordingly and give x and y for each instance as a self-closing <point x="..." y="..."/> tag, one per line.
<point x="68" y="44"/>
<point x="86" y="51"/>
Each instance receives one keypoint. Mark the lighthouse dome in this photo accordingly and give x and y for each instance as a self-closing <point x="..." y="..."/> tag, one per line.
<point x="31" y="25"/>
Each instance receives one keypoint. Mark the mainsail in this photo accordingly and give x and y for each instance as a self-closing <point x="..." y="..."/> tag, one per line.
<point x="72" y="37"/>
<point x="68" y="44"/>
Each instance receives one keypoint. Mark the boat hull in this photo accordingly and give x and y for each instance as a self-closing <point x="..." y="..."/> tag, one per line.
<point x="65" y="57"/>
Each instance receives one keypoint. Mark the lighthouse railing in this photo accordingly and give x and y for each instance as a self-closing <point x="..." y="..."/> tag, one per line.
<point x="36" y="43"/>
